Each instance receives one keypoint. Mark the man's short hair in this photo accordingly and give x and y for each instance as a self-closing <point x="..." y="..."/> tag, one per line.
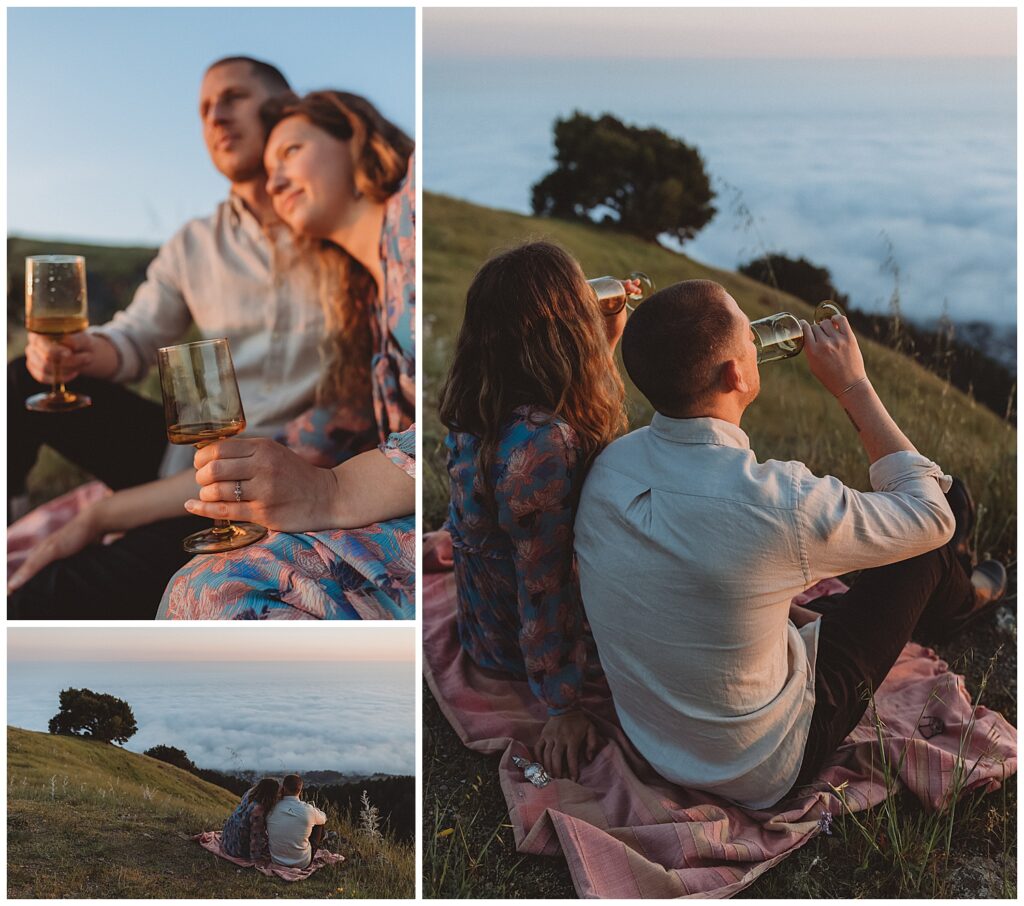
<point x="270" y="75"/>
<point x="674" y="343"/>
<point x="291" y="785"/>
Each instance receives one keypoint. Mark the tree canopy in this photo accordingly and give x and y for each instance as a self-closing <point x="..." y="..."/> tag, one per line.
<point x="95" y="715"/>
<point x="651" y="183"/>
<point x="796" y="276"/>
<point x="172" y="755"/>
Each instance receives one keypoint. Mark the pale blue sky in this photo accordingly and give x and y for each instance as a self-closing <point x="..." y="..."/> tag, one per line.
<point x="104" y="140"/>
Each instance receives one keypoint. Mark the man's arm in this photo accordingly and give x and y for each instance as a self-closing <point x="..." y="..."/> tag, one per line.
<point x="836" y="361"/>
<point x="843" y="529"/>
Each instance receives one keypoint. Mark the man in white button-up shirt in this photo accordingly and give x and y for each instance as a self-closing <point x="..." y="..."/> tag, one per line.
<point x="294" y="828"/>
<point x="218" y="273"/>
<point x="690" y="551"/>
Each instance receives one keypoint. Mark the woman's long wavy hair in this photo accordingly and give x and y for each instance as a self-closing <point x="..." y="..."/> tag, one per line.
<point x="533" y="335"/>
<point x="266" y="793"/>
<point x="380" y="157"/>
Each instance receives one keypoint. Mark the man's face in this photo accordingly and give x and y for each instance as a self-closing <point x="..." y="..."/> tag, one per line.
<point x="744" y="350"/>
<point x="229" y="104"/>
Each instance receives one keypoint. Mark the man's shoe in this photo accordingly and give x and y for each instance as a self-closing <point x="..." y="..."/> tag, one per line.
<point x="989" y="580"/>
<point x="962" y="505"/>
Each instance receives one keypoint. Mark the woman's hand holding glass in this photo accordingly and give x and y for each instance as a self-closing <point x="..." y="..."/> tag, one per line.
<point x="259" y="480"/>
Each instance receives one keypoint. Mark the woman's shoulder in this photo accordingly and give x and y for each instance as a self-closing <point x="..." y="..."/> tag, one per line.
<point x="526" y="427"/>
<point x="536" y="427"/>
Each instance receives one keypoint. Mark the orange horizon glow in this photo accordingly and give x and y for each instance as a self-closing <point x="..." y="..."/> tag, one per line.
<point x="353" y="643"/>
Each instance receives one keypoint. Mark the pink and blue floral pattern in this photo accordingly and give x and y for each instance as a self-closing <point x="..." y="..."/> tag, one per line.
<point x="245" y="832"/>
<point x="519" y="608"/>
<point x="344" y="574"/>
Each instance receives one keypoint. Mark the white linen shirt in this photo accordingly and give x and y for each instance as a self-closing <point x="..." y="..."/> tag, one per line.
<point x="218" y="272"/>
<point x="289" y="825"/>
<point x="689" y="554"/>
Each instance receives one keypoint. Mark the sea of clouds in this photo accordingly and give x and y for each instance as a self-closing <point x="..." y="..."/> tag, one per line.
<point x="855" y="165"/>
<point x="276" y="717"/>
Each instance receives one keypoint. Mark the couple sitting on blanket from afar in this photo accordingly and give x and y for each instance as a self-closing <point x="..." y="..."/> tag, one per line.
<point x="688" y="550"/>
<point x="273" y="824"/>
<point x="308" y="269"/>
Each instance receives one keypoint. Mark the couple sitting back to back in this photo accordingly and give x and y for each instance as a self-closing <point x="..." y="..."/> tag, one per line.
<point x="673" y="547"/>
<point x="272" y="823"/>
<point x="310" y="260"/>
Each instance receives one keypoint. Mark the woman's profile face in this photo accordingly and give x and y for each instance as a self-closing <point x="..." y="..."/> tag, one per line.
<point x="309" y="177"/>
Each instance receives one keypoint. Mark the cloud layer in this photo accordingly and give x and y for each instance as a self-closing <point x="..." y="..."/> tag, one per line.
<point x="836" y="161"/>
<point x="271" y="717"/>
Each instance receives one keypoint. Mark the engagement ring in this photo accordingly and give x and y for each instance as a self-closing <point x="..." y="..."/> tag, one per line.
<point x="238" y="492"/>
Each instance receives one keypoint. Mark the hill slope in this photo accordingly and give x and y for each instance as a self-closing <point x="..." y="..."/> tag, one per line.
<point x="794" y="418"/>
<point x="88" y="819"/>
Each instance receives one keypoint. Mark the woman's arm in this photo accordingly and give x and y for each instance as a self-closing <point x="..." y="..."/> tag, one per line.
<point x="284" y="492"/>
<point x="535" y="498"/>
<point x="120" y="512"/>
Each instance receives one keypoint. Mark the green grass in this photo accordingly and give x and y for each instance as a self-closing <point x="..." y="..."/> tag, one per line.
<point x="87" y="819"/>
<point x="794" y="418"/>
<point x="894" y="850"/>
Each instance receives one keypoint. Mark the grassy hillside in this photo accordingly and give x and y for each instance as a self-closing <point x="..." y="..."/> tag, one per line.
<point x="89" y="820"/>
<point x="794" y="418"/>
<point x="468" y="844"/>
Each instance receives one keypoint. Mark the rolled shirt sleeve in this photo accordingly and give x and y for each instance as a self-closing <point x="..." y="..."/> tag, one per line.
<point x="157" y="316"/>
<point x="400" y="448"/>
<point x="842" y="529"/>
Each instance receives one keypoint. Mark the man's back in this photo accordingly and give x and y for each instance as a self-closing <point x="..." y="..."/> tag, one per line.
<point x="690" y="552"/>
<point x="288" y="827"/>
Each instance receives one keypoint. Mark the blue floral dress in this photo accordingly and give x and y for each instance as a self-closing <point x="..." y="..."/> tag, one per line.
<point x="519" y="608"/>
<point x="342" y="574"/>
<point x="245" y="832"/>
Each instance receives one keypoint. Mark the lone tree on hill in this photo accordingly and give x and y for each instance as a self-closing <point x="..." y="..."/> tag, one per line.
<point x="651" y="182"/>
<point x="95" y="715"/>
<point x="796" y="276"/>
<point x="172" y="755"/>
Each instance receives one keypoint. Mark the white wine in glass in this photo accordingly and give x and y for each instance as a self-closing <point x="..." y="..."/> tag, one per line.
<point x="56" y="305"/>
<point x="612" y="296"/>
<point x="201" y="405"/>
<point x="780" y="336"/>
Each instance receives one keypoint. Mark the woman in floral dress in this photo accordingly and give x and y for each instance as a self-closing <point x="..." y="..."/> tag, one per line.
<point x="532" y="397"/>
<point x="338" y="490"/>
<point x="245" y="832"/>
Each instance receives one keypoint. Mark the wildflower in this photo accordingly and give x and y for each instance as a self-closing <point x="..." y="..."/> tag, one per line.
<point x="825" y="823"/>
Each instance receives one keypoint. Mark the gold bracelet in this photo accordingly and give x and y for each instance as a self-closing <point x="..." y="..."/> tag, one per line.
<point x="854" y="384"/>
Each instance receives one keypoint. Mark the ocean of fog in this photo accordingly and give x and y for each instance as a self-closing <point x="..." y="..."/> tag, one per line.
<point x="274" y="717"/>
<point x="843" y="162"/>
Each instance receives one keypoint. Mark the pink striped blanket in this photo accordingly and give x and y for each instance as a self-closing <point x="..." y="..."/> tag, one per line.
<point x="40" y="523"/>
<point x="210" y="841"/>
<point x="625" y="832"/>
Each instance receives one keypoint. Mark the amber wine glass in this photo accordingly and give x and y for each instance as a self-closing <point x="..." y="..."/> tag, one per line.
<point x="612" y="296"/>
<point x="56" y="306"/>
<point x="201" y="405"/>
<point x="780" y="336"/>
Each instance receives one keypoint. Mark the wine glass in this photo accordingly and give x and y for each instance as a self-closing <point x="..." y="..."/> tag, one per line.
<point x="780" y="336"/>
<point x="55" y="306"/>
<point x="612" y="296"/>
<point x="201" y="405"/>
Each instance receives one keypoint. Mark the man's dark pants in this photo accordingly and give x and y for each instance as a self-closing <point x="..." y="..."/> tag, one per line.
<point x="862" y="633"/>
<point x="120" y="439"/>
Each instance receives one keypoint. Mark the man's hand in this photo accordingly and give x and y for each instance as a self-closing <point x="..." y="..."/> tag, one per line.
<point x="77" y="354"/>
<point x="85" y="529"/>
<point x="833" y="354"/>
<point x="563" y="740"/>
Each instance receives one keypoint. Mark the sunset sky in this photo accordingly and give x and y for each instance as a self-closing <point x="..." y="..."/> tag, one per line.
<point x="103" y="133"/>
<point x="783" y="33"/>
<point x="221" y="643"/>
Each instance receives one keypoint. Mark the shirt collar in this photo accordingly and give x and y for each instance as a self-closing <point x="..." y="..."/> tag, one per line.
<point x="700" y="431"/>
